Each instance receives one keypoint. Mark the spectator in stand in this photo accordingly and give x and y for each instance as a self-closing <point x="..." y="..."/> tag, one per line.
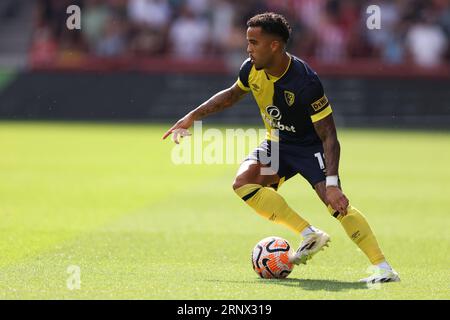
<point x="113" y="41"/>
<point x="444" y="16"/>
<point x="308" y="12"/>
<point x="44" y="48"/>
<point x="236" y="40"/>
<point x="331" y="36"/>
<point x="325" y="30"/>
<point x="443" y="6"/>
<point x="387" y="41"/>
<point x="426" y="41"/>
<point x="95" y="17"/>
<point x="222" y="20"/>
<point x="199" y="8"/>
<point x="189" y="35"/>
<point x="350" y="13"/>
<point x="153" y="14"/>
<point x="150" y="20"/>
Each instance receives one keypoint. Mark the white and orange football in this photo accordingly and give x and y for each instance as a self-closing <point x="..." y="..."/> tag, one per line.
<point x="271" y="258"/>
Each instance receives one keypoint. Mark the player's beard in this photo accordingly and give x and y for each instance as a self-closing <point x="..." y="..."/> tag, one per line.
<point x="262" y="66"/>
<point x="259" y="66"/>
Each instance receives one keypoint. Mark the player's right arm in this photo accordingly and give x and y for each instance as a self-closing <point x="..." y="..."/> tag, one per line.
<point x="220" y="101"/>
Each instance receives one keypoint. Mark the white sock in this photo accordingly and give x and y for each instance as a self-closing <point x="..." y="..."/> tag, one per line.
<point x="308" y="230"/>
<point x="384" y="265"/>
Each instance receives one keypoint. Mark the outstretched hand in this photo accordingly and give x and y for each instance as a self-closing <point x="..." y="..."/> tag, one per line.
<point x="337" y="199"/>
<point x="180" y="129"/>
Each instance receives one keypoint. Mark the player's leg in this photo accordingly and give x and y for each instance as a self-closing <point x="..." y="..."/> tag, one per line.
<point x="253" y="187"/>
<point x="355" y="226"/>
<point x="303" y="160"/>
<point x="258" y="191"/>
<point x="359" y="231"/>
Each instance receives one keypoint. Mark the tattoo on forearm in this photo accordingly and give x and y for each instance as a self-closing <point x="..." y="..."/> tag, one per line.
<point x="327" y="133"/>
<point x="216" y="103"/>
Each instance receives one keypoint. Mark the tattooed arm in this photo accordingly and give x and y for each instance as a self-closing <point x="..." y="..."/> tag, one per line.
<point x="220" y="101"/>
<point x="326" y="130"/>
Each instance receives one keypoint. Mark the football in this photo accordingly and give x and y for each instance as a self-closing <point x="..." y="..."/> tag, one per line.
<point x="271" y="258"/>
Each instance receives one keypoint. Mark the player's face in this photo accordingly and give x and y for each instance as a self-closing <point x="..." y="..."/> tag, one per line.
<point x="259" y="47"/>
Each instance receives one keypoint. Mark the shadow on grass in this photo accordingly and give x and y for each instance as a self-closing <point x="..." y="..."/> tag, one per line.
<point x="306" y="284"/>
<point x="318" y="284"/>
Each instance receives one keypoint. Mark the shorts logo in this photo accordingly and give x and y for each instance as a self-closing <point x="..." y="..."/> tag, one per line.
<point x="319" y="104"/>
<point x="289" y="97"/>
<point x="273" y="112"/>
<point x="255" y="87"/>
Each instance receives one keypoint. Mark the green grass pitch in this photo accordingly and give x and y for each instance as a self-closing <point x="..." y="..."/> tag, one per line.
<point x="108" y="199"/>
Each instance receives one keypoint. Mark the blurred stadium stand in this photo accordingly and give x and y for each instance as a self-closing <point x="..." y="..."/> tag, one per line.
<point x="157" y="59"/>
<point x="16" y="23"/>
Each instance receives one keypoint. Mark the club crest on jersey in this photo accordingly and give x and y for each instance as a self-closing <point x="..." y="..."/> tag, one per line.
<point x="289" y="97"/>
<point x="319" y="104"/>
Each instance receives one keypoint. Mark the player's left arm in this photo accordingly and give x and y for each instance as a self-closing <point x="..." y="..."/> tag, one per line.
<point x="326" y="130"/>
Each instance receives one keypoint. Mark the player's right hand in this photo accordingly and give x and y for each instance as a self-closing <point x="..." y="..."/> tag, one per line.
<point x="180" y="129"/>
<point x="337" y="199"/>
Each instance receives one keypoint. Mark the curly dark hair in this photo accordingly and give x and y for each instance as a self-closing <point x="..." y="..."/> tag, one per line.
<point x="272" y="23"/>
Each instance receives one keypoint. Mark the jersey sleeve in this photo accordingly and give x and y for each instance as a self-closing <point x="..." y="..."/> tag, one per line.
<point x="315" y="100"/>
<point x="244" y="73"/>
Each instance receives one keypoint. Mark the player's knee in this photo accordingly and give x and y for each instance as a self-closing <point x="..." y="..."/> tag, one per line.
<point x="242" y="187"/>
<point x="238" y="183"/>
<point x="245" y="190"/>
<point x="241" y="181"/>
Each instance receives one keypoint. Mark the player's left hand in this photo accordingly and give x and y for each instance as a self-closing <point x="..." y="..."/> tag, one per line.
<point x="337" y="199"/>
<point x="179" y="133"/>
<point x="180" y="129"/>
